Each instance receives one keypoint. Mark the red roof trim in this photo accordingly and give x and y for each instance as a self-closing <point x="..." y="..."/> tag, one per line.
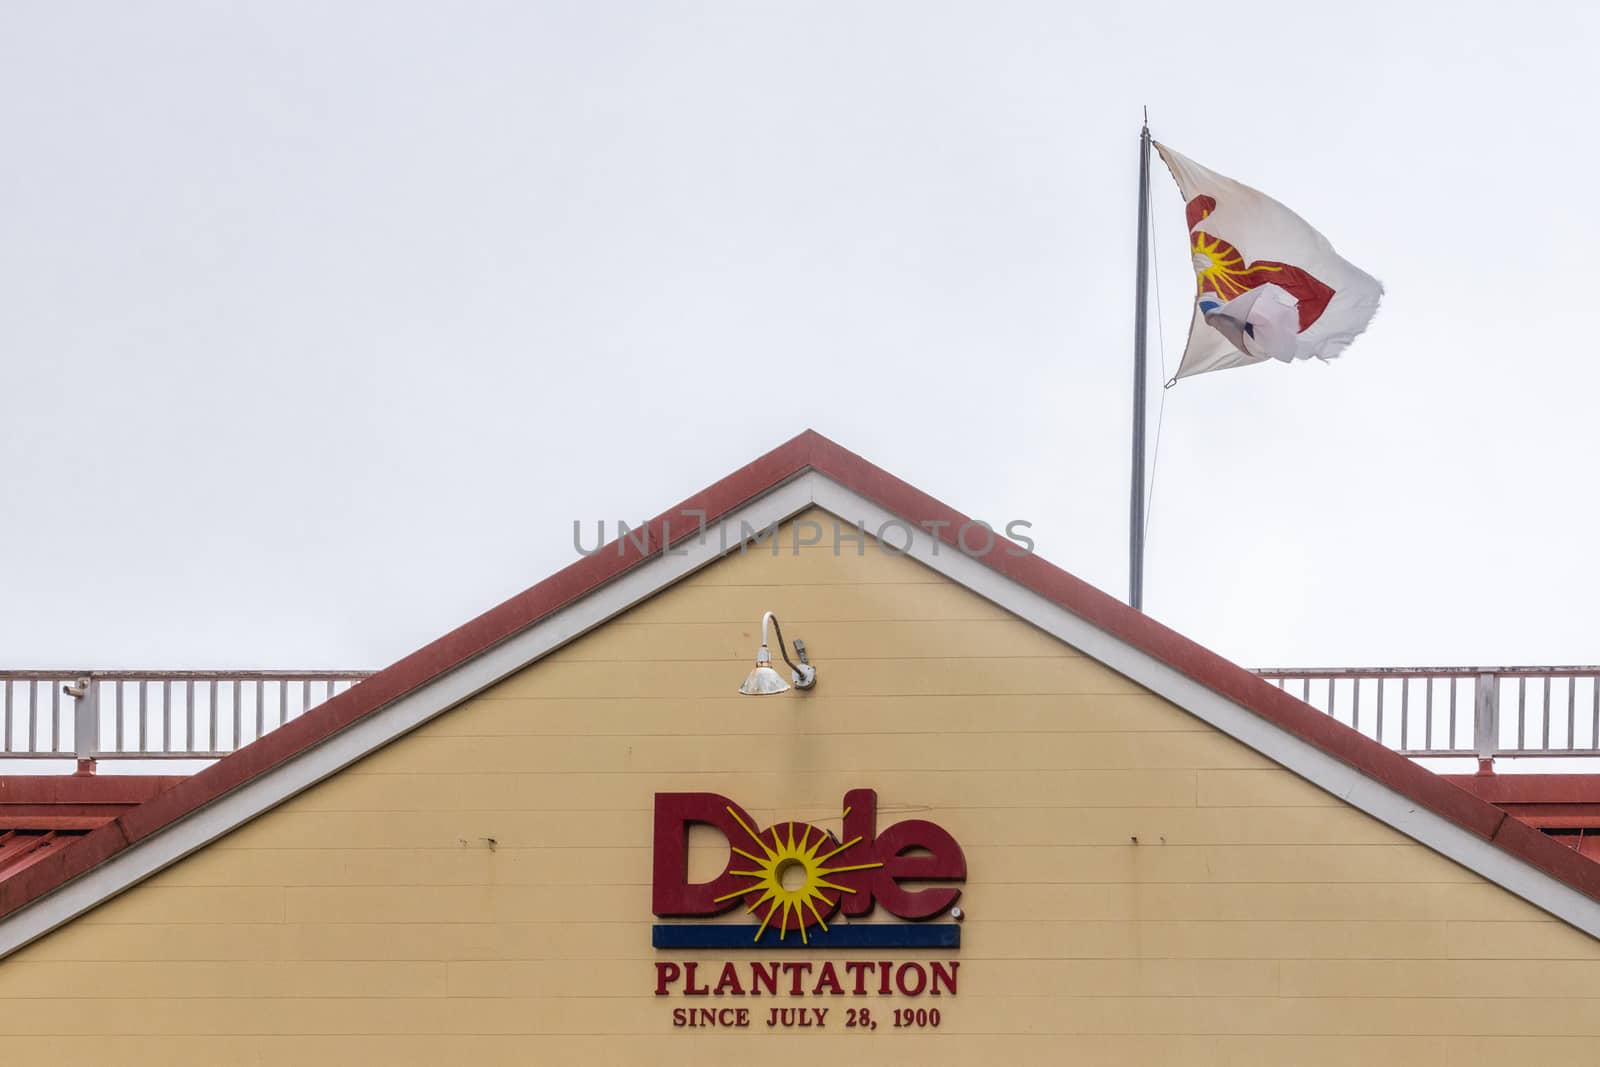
<point x="75" y="789"/>
<point x="1502" y="789"/>
<point x="74" y="802"/>
<point x="809" y="450"/>
<point x="1545" y="801"/>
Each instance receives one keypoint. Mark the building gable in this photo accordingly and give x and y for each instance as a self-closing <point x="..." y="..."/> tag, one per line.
<point x="1168" y="821"/>
<point x="1141" y="886"/>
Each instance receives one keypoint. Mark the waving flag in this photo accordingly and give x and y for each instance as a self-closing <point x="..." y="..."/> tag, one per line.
<point x="1270" y="286"/>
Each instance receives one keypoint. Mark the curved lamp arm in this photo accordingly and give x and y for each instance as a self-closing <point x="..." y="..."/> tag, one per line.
<point x="805" y="675"/>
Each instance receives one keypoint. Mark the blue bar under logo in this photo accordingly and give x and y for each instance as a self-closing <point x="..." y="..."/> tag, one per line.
<point x="855" y="935"/>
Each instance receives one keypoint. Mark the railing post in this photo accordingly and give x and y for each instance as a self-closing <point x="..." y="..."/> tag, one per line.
<point x="1486" y="719"/>
<point x="85" y="721"/>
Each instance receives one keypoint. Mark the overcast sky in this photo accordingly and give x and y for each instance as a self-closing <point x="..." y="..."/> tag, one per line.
<point x="319" y="324"/>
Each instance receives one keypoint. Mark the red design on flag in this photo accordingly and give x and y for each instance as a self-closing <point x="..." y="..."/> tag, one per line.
<point x="1221" y="269"/>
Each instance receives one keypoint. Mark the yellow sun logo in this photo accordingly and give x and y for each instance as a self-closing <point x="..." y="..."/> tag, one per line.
<point x="790" y="882"/>
<point x="1222" y="270"/>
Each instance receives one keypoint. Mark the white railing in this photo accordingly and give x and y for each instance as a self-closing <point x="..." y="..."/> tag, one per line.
<point x="1418" y="711"/>
<point x="152" y="714"/>
<point x="1459" y="711"/>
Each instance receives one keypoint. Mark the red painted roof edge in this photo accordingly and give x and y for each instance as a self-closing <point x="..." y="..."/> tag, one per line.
<point x="807" y="450"/>
<point x="70" y="789"/>
<point x="73" y="801"/>
<point x="1531" y="788"/>
<point x="21" y="849"/>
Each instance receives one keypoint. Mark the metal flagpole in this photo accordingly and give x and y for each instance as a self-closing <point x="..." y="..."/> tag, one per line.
<point x="1141" y="289"/>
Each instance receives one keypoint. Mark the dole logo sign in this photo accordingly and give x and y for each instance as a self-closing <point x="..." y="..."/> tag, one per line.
<point x="792" y="878"/>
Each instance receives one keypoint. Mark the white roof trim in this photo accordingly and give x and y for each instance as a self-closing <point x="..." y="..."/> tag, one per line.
<point x="165" y="847"/>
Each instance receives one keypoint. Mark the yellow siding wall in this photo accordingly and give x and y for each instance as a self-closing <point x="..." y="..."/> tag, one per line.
<point x="1257" y="920"/>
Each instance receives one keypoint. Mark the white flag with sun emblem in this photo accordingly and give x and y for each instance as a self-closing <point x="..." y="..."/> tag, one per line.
<point x="1270" y="286"/>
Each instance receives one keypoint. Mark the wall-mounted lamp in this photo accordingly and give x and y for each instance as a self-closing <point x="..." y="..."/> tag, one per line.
<point x="764" y="679"/>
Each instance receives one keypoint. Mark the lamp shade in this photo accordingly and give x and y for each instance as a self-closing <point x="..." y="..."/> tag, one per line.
<point x="763" y="679"/>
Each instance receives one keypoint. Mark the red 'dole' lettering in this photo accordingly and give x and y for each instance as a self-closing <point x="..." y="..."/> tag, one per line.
<point x="672" y="893"/>
<point x="934" y="857"/>
<point x="914" y="850"/>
